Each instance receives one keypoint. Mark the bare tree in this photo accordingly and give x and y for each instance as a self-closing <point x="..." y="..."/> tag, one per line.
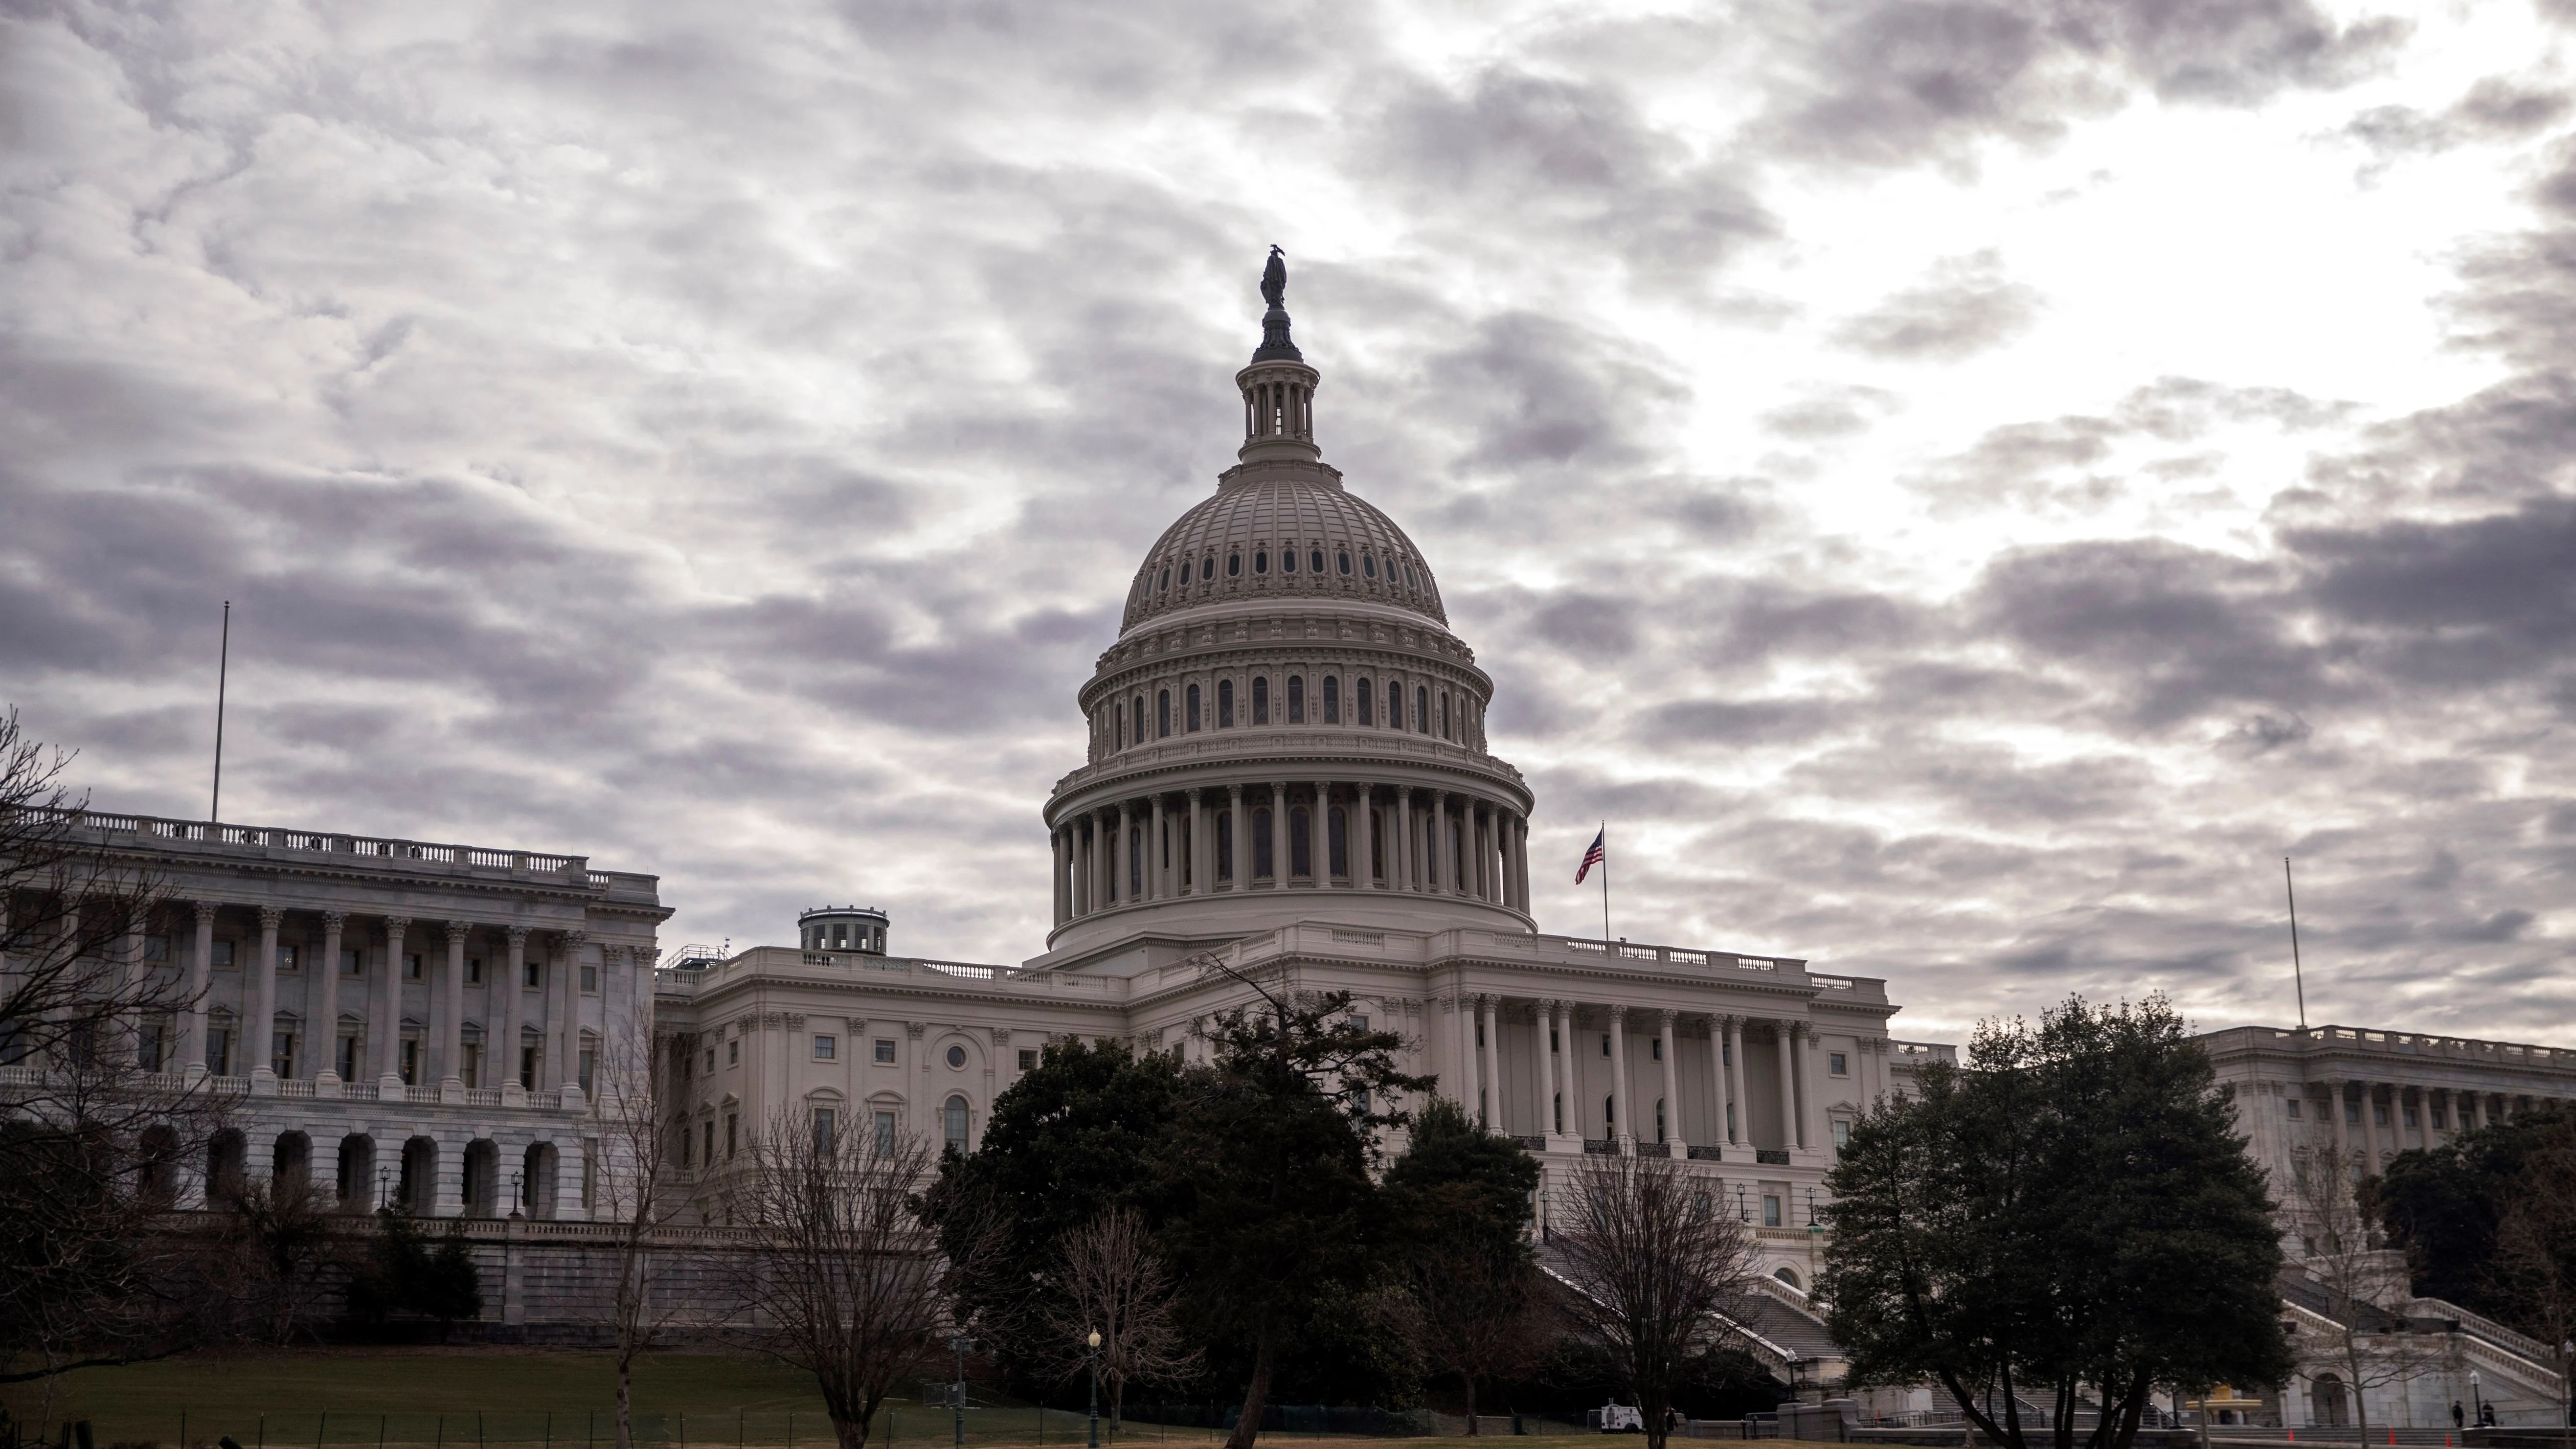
<point x="95" y="1125"/>
<point x="842" y="1278"/>
<point x="1114" y="1283"/>
<point x="637" y="1197"/>
<point x="1653" y="1266"/>
<point x="2534" y="1267"/>
<point x="2365" y="1343"/>
<point x="1477" y="1312"/>
<point x="275" y="1237"/>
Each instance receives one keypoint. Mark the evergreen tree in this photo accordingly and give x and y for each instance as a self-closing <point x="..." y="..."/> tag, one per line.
<point x="1459" y="1205"/>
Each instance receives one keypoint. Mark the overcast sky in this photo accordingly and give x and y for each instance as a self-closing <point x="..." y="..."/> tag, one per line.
<point x="1963" y="486"/>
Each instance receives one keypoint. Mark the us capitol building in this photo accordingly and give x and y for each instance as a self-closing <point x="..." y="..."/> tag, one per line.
<point x="1288" y="779"/>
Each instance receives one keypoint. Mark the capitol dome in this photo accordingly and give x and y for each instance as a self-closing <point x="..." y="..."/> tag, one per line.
<point x="1285" y="725"/>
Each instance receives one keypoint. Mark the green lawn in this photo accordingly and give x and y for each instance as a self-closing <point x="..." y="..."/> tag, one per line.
<point x="487" y="1398"/>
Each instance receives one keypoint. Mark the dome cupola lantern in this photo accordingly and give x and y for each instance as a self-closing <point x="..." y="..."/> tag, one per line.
<point x="1278" y="388"/>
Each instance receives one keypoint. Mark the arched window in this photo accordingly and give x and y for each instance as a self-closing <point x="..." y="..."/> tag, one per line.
<point x="1225" y="704"/>
<point x="1162" y="713"/>
<point x="1166" y="584"/>
<point x="1287" y="560"/>
<point x="1422" y="709"/>
<point x="1408" y="577"/>
<point x="1207" y="568"/>
<point x="1394" y="705"/>
<point x="1139" y="717"/>
<point x="1317" y="558"/>
<point x="1360" y="713"/>
<point x="1262" y="863"/>
<point x="1346" y="563"/>
<point x="1368" y="565"/>
<point x="1337" y="848"/>
<point x="1444" y="719"/>
<point x="1261" y="561"/>
<point x="1301" y="850"/>
<point x="1788" y="1276"/>
<point x="1296" y="699"/>
<point x="1190" y="707"/>
<point x="1122" y="726"/>
<point x="1233" y="565"/>
<point x="953" y="1120"/>
<point x="1332" y="699"/>
<point x="1261" y="699"/>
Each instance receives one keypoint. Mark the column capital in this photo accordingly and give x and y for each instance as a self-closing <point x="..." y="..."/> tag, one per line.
<point x="395" y="926"/>
<point x="206" y="911"/>
<point x="1666" y="1015"/>
<point x="1726" y="1021"/>
<point x="518" y="938"/>
<point x="334" y="920"/>
<point x="572" y="940"/>
<point x="1618" y="1015"/>
<point x="271" y="917"/>
<point x="454" y="932"/>
<point x="645" y="955"/>
<point x="1549" y="1004"/>
<point x="915" y="1029"/>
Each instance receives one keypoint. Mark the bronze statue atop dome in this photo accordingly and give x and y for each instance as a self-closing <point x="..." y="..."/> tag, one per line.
<point x="1275" y="346"/>
<point x="1274" y="278"/>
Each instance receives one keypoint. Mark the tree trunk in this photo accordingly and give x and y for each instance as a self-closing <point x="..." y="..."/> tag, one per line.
<point x="1256" y="1397"/>
<point x="2352" y="1368"/>
<point x="850" y="1433"/>
<point x="625" y="1403"/>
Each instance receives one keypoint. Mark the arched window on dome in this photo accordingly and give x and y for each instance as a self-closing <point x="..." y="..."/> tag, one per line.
<point x="1395" y="704"/>
<point x="1368" y="565"/>
<point x="1190" y="710"/>
<point x="1296" y="699"/>
<point x="1409" y="581"/>
<point x="1233" y="565"/>
<point x="1262" y="864"/>
<point x="1360" y="712"/>
<point x="1138" y="720"/>
<point x="1346" y="563"/>
<point x="1166" y="585"/>
<point x="1332" y="699"/>
<point x="1422" y="709"/>
<point x="1261" y="699"/>
<point x="1444" y="718"/>
<point x="1207" y="568"/>
<point x="1287" y="560"/>
<point x="1261" y="561"/>
<point x="1162" y="714"/>
<point x="1225" y="704"/>
<point x="1318" y="559"/>
<point x="1122" y="727"/>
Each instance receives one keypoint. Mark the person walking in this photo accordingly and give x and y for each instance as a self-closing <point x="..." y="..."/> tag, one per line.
<point x="2459" y="1416"/>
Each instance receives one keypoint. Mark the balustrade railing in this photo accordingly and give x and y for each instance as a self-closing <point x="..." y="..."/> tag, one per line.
<point x="324" y="842"/>
<point x="1771" y="1156"/>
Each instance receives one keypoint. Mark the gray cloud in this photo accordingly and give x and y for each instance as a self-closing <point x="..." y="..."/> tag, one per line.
<point x="1965" y="307"/>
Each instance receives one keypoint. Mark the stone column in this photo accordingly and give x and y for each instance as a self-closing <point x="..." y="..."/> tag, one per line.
<point x="1561" y="1073"/>
<point x="1319" y="823"/>
<point x="1055" y="852"/>
<point x="259" y="1024"/>
<point x="514" y="983"/>
<point x="1202" y="848"/>
<point x="1811" y="1089"/>
<point x="563" y="1014"/>
<point x="201" y="961"/>
<point x="1362" y="828"/>
<point x="1625" y="1128"/>
<point x="1279" y="835"/>
<point x="1122" y="859"/>
<point x="1439" y="852"/>
<point x="2369" y="1128"/>
<point x="1787" y="1034"/>
<point x="1400" y="876"/>
<point x="2334" y="1114"/>
<point x="1543" y="1071"/>
<point x="1672" y="1081"/>
<point x="1469" y="1094"/>
<point x="1238" y="829"/>
<point x="1717" y="1079"/>
<point x="1158" y="885"/>
<point x="1491" y="1069"/>
<point x="1739" y="1127"/>
<point x="323" y="1032"/>
<point x="1520" y="861"/>
<point x="452" y="1012"/>
<point x="384" y="1028"/>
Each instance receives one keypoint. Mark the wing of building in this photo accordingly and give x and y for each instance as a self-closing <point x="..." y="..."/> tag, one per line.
<point x="1289" y="777"/>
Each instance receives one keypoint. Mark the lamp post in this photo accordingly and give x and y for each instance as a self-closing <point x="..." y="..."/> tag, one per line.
<point x="957" y="1391"/>
<point x="2477" y="1404"/>
<point x="1094" y="1341"/>
<point x="518" y="1193"/>
<point x="384" y="1185"/>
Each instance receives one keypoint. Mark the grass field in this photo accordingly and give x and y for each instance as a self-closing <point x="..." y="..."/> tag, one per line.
<point x="486" y="1398"/>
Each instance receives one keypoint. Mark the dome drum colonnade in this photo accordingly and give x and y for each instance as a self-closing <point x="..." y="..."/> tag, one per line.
<point x="1286" y="708"/>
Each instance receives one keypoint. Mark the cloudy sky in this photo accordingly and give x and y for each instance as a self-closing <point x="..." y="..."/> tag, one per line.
<point x="1963" y="486"/>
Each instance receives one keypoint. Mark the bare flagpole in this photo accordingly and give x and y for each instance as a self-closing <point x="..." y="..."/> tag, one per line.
<point x="2297" y="977"/>
<point x="1605" y="882"/>
<point x="223" y="668"/>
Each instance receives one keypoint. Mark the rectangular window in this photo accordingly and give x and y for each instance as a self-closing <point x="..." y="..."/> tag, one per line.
<point x="156" y="948"/>
<point x="733" y="1052"/>
<point x="408" y="1063"/>
<point x="149" y="1049"/>
<point x="1360" y="712"/>
<point x="1836" y="1064"/>
<point x="281" y="1053"/>
<point x="352" y="963"/>
<point x="473" y="1072"/>
<point x="223" y="953"/>
<point x="885" y="1049"/>
<point x="473" y="970"/>
<point x="347" y="1059"/>
<point x="1332" y="699"/>
<point x="826" y="1131"/>
<point x="1842" y="1137"/>
<point x="219" y="1052"/>
<point x="1551" y="1040"/>
<point x="2292" y="1104"/>
<point x="2439" y="1113"/>
<point x="1656" y="1048"/>
<point x="2352" y="1113"/>
<point x="732" y="1144"/>
<point x="707" y="1133"/>
<point x="1770" y="1210"/>
<point x="1261" y="699"/>
<point x="826" y="1048"/>
<point x="2378" y="1115"/>
<point x="1422" y="709"/>
<point x="1028" y="1060"/>
<point x="1296" y="699"/>
<point x="1394" y="705"/>
<point x="589" y="1061"/>
<point x="589" y="980"/>
<point x="536" y="974"/>
<point x="528" y="1068"/>
<point x="411" y="965"/>
<point x="1605" y="1043"/>
<point x="687" y="1145"/>
<point x="1192" y="709"/>
<point x="885" y="1134"/>
<point x="287" y="956"/>
<point x="1225" y="704"/>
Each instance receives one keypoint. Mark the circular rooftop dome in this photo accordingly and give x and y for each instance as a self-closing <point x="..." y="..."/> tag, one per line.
<point x="1286" y="537"/>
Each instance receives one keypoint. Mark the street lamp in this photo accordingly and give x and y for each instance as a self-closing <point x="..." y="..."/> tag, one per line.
<point x="518" y="1193"/>
<point x="1094" y="1341"/>
<point x="2477" y="1404"/>
<point x="959" y="1344"/>
<point x="384" y="1185"/>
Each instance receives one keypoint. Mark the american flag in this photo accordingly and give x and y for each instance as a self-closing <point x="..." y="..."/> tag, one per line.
<point x="1595" y="856"/>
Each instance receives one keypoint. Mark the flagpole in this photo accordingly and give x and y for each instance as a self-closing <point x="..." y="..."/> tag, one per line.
<point x="1605" y="882"/>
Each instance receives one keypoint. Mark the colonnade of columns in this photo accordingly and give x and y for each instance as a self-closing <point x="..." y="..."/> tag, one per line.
<point x="2370" y="1114"/>
<point x="375" y="994"/>
<point x="1561" y="1107"/>
<point x="1207" y="839"/>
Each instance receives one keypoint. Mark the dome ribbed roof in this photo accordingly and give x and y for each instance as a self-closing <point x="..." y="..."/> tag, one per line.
<point x="1229" y="548"/>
